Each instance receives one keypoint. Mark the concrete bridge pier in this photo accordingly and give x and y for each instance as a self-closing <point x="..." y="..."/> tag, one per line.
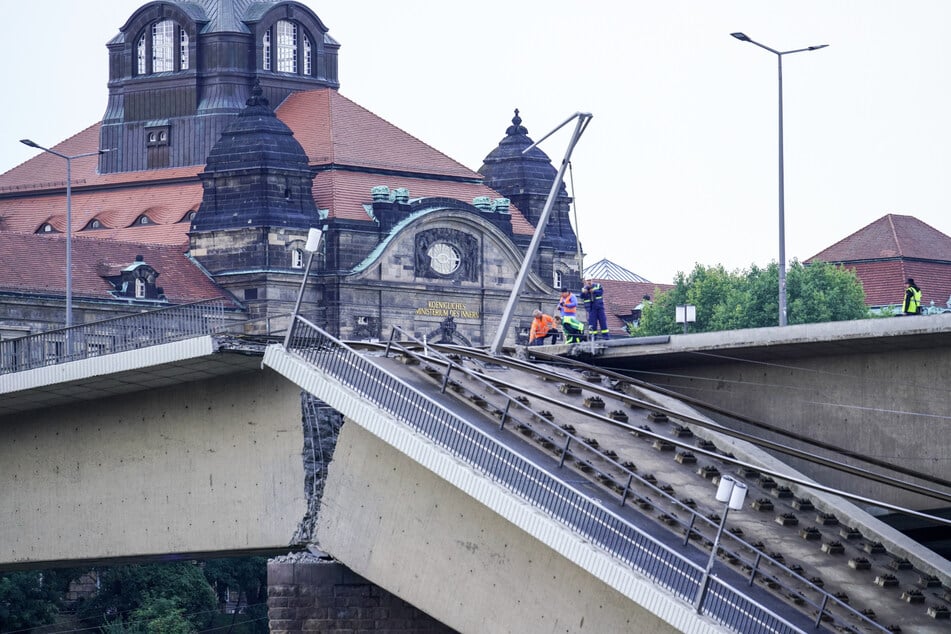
<point x="309" y="594"/>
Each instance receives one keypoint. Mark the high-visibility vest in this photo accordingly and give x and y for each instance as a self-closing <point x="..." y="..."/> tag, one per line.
<point x="912" y="299"/>
<point x="568" y="304"/>
<point x="540" y="327"/>
<point x="593" y="297"/>
<point x="572" y="327"/>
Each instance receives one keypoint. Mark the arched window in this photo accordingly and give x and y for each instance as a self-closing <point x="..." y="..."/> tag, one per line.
<point x="308" y="56"/>
<point x="162" y="48"/>
<point x="286" y="48"/>
<point x="163" y="58"/>
<point x="183" y="50"/>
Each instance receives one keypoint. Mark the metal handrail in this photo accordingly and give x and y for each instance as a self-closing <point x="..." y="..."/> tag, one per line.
<point x="755" y="565"/>
<point x="497" y="462"/>
<point x="108" y="336"/>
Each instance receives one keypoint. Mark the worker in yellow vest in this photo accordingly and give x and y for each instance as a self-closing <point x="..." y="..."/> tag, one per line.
<point x="912" y="303"/>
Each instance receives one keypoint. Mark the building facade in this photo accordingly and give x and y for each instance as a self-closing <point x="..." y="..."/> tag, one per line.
<point x="225" y="139"/>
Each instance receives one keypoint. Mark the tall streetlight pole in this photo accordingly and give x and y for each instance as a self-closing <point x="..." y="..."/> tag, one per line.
<point x="583" y="119"/>
<point x="782" y="204"/>
<point x="69" y="219"/>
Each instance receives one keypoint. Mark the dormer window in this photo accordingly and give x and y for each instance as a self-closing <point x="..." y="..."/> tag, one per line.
<point x="136" y="281"/>
<point x="46" y="228"/>
<point x="156" y="135"/>
<point x="162" y="48"/>
<point x="287" y="49"/>
<point x="143" y="220"/>
<point x="93" y="224"/>
<point x="188" y="217"/>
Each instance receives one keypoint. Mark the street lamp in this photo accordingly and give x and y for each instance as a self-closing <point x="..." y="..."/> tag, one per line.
<point x="782" y="211"/>
<point x="313" y="243"/>
<point x="732" y="493"/>
<point x="583" y="119"/>
<point x="69" y="220"/>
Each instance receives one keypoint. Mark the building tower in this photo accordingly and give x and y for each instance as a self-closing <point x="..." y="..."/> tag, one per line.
<point x="525" y="179"/>
<point x="180" y="70"/>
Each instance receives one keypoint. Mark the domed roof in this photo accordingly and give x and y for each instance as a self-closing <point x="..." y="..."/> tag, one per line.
<point x="506" y="169"/>
<point x="257" y="175"/>
<point x="258" y="137"/>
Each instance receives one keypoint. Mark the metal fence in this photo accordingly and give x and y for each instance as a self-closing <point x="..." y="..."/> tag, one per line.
<point x="686" y="518"/>
<point x="109" y="336"/>
<point x="601" y="527"/>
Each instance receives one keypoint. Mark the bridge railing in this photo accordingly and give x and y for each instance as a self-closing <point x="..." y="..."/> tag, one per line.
<point x="757" y="563"/>
<point x="109" y="336"/>
<point x="583" y="515"/>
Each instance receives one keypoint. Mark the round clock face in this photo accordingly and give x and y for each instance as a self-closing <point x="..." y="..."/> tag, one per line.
<point x="444" y="258"/>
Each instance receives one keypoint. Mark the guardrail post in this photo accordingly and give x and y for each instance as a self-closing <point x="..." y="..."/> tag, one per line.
<point x="445" y="379"/>
<point x="564" y="452"/>
<point x="822" y="609"/>
<point x="627" y="488"/>
<point x="505" y="414"/>
<point x="693" y="518"/>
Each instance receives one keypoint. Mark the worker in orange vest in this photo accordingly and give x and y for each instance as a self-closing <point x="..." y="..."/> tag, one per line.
<point x="568" y="304"/>
<point x="542" y="326"/>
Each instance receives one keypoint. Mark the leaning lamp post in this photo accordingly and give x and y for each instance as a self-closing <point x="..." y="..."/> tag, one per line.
<point x="69" y="219"/>
<point x="782" y="211"/>
<point x="732" y="493"/>
<point x="313" y="243"/>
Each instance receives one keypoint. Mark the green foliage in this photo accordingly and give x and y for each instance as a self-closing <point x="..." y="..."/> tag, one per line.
<point x="27" y="599"/>
<point x="249" y="576"/>
<point x="130" y="597"/>
<point x="749" y="299"/>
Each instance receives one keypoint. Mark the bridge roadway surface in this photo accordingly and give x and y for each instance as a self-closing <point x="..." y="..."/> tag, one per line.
<point x="648" y="462"/>
<point x="785" y="543"/>
<point x="136" y="430"/>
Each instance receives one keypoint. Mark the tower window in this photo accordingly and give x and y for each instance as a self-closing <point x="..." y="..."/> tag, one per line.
<point x="297" y="258"/>
<point x="158" y="135"/>
<point x="183" y="49"/>
<point x="308" y="57"/>
<point x="162" y="48"/>
<point x="286" y="48"/>
<point x="163" y="59"/>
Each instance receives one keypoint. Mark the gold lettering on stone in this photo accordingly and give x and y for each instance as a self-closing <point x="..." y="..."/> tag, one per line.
<point x="435" y="308"/>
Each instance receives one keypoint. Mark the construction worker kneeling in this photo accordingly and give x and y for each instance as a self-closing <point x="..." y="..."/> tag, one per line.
<point x="572" y="327"/>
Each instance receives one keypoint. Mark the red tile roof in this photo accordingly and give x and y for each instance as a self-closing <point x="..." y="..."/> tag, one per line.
<point x="890" y="236"/>
<point x="37" y="264"/>
<point x="331" y="129"/>
<point x="888" y="251"/>
<point x="621" y="297"/>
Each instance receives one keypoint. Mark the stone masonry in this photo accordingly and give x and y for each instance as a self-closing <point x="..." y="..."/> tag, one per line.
<point x="310" y="595"/>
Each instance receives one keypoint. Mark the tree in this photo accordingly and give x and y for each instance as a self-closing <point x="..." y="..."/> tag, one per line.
<point x="726" y="300"/>
<point x="27" y="599"/>
<point x="128" y="594"/>
<point x="247" y="575"/>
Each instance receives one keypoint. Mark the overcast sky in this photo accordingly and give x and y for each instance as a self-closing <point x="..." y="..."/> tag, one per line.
<point x="679" y="164"/>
